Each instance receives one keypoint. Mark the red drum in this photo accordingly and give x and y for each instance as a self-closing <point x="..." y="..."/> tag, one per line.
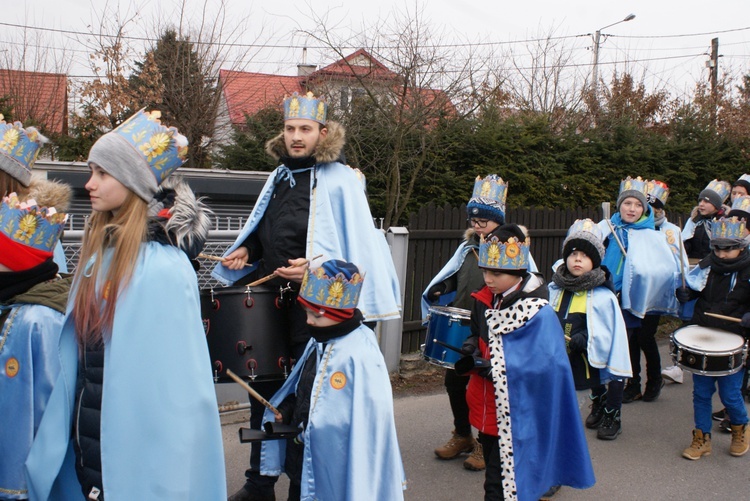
<point x="247" y="332"/>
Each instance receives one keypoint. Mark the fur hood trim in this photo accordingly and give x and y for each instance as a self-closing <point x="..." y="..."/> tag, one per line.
<point x="49" y="193"/>
<point x="189" y="218"/>
<point x="328" y="150"/>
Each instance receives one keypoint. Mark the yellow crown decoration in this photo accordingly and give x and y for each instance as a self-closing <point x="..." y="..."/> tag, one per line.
<point x="727" y="228"/>
<point x="657" y="190"/>
<point x="509" y="255"/>
<point x="722" y="188"/>
<point x="634" y="184"/>
<point x="331" y="286"/>
<point x="19" y="148"/>
<point x="741" y="204"/>
<point x="308" y="107"/>
<point x="28" y="224"/>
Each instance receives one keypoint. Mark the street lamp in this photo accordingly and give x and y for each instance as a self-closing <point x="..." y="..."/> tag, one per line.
<point x="597" y="37"/>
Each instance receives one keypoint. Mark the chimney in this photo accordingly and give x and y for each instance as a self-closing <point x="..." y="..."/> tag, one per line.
<point x="305" y="69"/>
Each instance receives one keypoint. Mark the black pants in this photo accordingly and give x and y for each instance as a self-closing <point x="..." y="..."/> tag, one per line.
<point x="455" y="386"/>
<point x="614" y="390"/>
<point x="255" y="482"/>
<point x="493" y="474"/>
<point x="643" y="338"/>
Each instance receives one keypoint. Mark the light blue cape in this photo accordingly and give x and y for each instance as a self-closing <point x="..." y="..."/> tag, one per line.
<point x="340" y="227"/>
<point x="351" y="449"/>
<point x="160" y="430"/>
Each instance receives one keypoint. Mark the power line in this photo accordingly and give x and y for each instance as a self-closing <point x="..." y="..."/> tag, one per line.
<point x="684" y="35"/>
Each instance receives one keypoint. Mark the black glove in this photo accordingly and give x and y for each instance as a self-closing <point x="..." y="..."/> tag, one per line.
<point x="683" y="294"/>
<point x="578" y="342"/>
<point x="470" y="346"/>
<point x="434" y="292"/>
<point x="745" y="321"/>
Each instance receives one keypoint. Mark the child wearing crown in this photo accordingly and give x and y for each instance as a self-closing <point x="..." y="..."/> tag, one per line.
<point x="339" y="395"/>
<point x="32" y="306"/>
<point x="721" y="284"/>
<point x="521" y="395"/>
<point x="644" y="271"/>
<point x="135" y="379"/>
<point x="696" y="232"/>
<point x="583" y="295"/>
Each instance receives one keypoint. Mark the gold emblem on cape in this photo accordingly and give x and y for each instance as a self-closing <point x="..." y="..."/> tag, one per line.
<point x="11" y="367"/>
<point x="338" y="380"/>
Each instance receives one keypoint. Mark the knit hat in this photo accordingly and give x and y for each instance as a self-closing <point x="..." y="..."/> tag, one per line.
<point x="584" y="235"/>
<point x="332" y="289"/>
<point x="506" y="249"/>
<point x="635" y="188"/>
<point x="488" y="199"/>
<point x="19" y="148"/>
<point x="28" y="233"/>
<point x="743" y="181"/>
<point x="140" y="153"/>
<point x="715" y="193"/>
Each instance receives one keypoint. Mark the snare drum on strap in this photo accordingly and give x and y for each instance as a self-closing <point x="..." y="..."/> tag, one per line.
<point x="247" y="332"/>
<point x="447" y="328"/>
<point x="707" y="351"/>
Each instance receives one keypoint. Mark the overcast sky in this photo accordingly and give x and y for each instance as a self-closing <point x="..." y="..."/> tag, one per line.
<point x="667" y="43"/>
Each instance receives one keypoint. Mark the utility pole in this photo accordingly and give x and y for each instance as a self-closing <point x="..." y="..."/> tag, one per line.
<point x="713" y="77"/>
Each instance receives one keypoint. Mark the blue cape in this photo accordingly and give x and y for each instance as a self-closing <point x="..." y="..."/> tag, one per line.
<point x="160" y="430"/>
<point x="340" y="227"/>
<point x="28" y="370"/>
<point x="351" y="449"/>
<point x="536" y="403"/>
<point x="607" y="347"/>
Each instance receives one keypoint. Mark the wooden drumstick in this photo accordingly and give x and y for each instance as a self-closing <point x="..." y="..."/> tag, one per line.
<point x="724" y="317"/>
<point x="252" y="392"/>
<point x="272" y="275"/>
<point x="216" y="258"/>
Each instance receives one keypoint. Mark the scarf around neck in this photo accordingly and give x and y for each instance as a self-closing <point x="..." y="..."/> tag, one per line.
<point x="613" y="257"/>
<point x="589" y="280"/>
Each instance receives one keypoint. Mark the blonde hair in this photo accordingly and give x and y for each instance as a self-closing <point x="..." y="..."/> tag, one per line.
<point x="123" y="232"/>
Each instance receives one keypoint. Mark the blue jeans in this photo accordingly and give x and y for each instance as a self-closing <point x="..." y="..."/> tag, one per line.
<point x="730" y="392"/>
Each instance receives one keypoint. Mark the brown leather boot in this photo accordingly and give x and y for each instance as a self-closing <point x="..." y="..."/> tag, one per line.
<point x="475" y="461"/>
<point x="700" y="447"/>
<point x="455" y="446"/>
<point x="740" y="440"/>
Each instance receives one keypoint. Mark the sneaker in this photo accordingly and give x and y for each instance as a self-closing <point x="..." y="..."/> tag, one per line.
<point x="594" y="419"/>
<point x="700" y="447"/>
<point x="719" y="415"/>
<point x="653" y="390"/>
<point x="725" y="426"/>
<point x="610" y="426"/>
<point x="672" y="373"/>
<point x="455" y="446"/>
<point x="740" y="440"/>
<point x="550" y="493"/>
<point x="475" y="461"/>
<point x="631" y="393"/>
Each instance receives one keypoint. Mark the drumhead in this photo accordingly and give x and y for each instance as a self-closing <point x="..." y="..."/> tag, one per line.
<point x="239" y="289"/>
<point x="707" y="339"/>
<point x="450" y="311"/>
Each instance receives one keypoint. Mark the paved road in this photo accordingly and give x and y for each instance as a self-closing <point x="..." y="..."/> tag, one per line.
<point x="644" y="463"/>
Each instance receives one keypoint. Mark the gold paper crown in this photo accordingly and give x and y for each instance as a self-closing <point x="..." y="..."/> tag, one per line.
<point x="509" y="255"/>
<point x="488" y="198"/>
<point x="330" y="285"/>
<point x="30" y="225"/>
<point x="634" y="184"/>
<point x="19" y="148"/>
<point x="727" y="228"/>
<point x="741" y="204"/>
<point x="657" y="190"/>
<point x="722" y="188"/>
<point x="308" y="107"/>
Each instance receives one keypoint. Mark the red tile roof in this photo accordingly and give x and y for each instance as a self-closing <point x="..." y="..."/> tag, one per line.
<point x="359" y="64"/>
<point x="38" y="97"/>
<point x="248" y="93"/>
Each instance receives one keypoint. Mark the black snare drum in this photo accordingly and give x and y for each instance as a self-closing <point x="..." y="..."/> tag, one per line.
<point x="247" y="332"/>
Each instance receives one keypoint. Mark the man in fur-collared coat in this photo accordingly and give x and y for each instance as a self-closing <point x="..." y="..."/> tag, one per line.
<point x="311" y="205"/>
